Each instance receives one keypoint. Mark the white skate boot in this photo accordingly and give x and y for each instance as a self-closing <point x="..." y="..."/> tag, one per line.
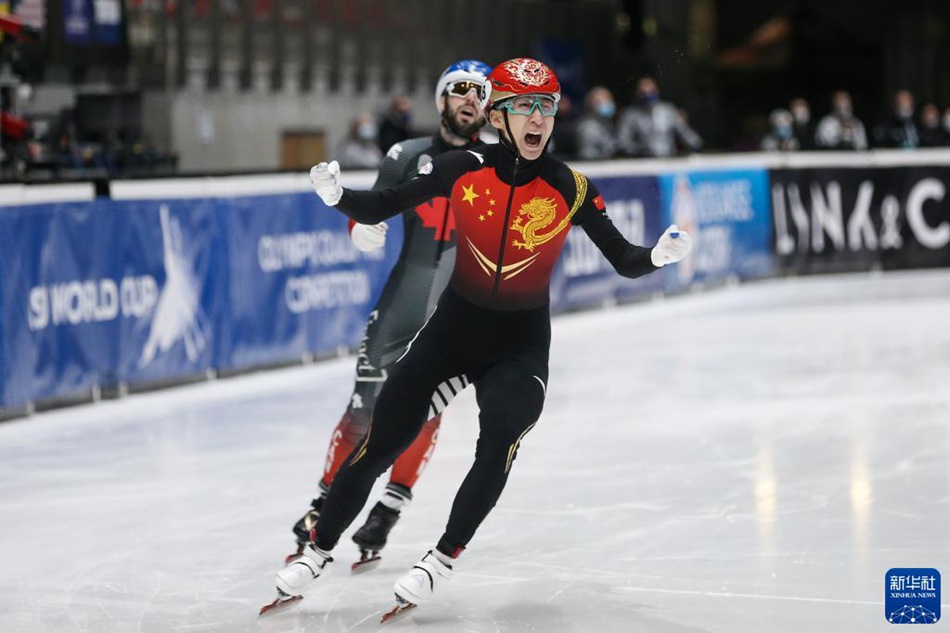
<point x="418" y="584"/>
<point x="295" y="577"/>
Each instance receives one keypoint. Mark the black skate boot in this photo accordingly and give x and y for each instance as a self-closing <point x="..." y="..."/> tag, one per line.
<point x="371" y="538"/>
<point x="303" y="529"/>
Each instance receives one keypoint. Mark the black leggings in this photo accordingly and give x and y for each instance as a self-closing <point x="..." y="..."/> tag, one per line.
<point x="505" y="355"/>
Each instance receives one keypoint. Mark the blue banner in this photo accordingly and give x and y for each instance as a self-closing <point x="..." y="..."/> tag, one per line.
<point x="584" y="277"/>
<point x="107" y="292"/>
<point x="299" y="284"/>
<point x="108" y="15"/>
<point x="77" y="21"/>
<point x="58" y="305"/>
<point x="173" y="288"/>
<point x="728" y="215"/>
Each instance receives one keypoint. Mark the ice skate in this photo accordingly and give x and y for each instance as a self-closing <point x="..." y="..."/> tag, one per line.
<point x="371" y="538"/>
<point x="281" y="603"/>
<point x="417" y="585"/>
<point x="303" y="529"/>
<point x="295" y="577"/>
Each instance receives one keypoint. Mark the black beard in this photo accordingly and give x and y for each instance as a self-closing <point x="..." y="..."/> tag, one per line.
<point x="459" y="129"/>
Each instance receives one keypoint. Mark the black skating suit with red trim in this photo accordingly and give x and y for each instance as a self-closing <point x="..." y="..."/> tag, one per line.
<point x="492" y="324"/>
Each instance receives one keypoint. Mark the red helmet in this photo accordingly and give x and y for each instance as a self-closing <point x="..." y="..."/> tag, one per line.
<point x="521" y="76"/>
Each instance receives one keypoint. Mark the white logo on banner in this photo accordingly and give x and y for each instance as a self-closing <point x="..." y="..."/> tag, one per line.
<point x="708" y="211"/>
<point x="821" y="224"/>
<point x="582" y="257"/>
<point x="175" y="309"/>
<point x="312" y="249"/>
<point x="90" y="301"/>
<point x="178" y="315"/>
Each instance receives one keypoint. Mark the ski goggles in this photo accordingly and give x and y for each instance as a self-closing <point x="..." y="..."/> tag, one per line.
<point x="462" y="88"/>
<point x="546" y="104"/>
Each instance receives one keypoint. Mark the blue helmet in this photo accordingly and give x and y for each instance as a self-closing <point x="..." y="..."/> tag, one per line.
<point x="463" y="70"/>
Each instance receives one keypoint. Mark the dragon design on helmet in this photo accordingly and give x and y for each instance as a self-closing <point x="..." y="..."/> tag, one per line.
<point x="530" y="72"/>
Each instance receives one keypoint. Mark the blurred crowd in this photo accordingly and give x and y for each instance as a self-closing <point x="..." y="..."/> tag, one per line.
<point x="650" y="127"/>
<point x="54" y="146"/>
<point x="903" y="126"/>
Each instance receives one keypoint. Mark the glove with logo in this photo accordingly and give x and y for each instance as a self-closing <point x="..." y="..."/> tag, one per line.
<point x="672" y="246"/>
<point x="326" y="182"/>
<point x="369" y="237"/>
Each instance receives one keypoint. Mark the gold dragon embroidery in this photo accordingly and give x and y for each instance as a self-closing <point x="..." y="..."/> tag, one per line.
<point x="538" y="213"/>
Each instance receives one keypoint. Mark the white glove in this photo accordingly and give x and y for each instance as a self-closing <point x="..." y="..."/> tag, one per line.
<point x="369" y="237"/>
<point x="672" y="246"/>
<point x="326" y="182"/>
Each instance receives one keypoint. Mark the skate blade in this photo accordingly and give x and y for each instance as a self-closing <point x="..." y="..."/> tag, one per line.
<point x="367" y="562"/>
<point x="281" y="603"/>
<point x="398" y="612"/>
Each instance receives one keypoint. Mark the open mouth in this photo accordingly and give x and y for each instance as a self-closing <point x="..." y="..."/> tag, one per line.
<point x="467" y="112"/>
<point x="532" y="141"/>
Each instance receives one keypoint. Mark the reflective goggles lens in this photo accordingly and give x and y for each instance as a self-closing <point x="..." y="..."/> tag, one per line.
<point x="462" y="88"/>
<point x="526" y="105"/>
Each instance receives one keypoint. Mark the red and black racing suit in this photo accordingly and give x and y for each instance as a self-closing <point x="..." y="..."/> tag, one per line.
<point x="408" y="298"/>
<point x="491" y="327"/>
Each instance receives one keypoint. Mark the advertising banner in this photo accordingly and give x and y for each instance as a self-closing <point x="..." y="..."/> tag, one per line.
<point x="62" y="293"/>
<point x="174" y="285"/>
<point x="727" y="215"/>
<point x="100" y="293"/>
<point x="78" y="21"/>
<point x="298" y="284"/>
<point x="584" y="277"/>
<point x="150" y="289"/>
<point x="842" y="219"/>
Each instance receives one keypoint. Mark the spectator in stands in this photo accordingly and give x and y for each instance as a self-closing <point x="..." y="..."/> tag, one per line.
<point x="802" y="127"/>
<point x="359" y="150"/>
<point x="781" y="136"/>
<point x="650" y="127"/>
<point x="898" y="129"/>
<point x="840" y="129"/>
<point x="932" y="133"/>
<point x="596" y="136"/>
<point x="946" y="123"/>
<point x="395" y="124"/>
<point x="564" y="138"/>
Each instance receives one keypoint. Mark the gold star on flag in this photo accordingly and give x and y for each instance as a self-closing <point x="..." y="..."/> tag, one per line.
<point x="487" y="192"/>
<point x="469" y="194"/>
<point x="490" y="213"/>
<point x="492" y="202"/>
<point x="481" y="218"/>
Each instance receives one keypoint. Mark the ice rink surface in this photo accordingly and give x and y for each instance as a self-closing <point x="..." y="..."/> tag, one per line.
<point x="746" y="459"/>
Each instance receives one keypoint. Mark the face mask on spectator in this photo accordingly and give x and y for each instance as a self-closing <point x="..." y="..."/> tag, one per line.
<point x="843" y="108"/>
<point x="783" y="131"/>
<point x="802" y="115"/>
<point x="905" y="112"/>
<point x="649" y="96"/>
<point x="366" y="131"/>
<point x="946" y="123"/>
<point x="605" y="109"/>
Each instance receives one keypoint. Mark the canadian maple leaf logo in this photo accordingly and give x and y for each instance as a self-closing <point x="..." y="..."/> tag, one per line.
<point x="435" y="215"/>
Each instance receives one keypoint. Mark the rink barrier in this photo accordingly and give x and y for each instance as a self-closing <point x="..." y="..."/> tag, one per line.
<point x="179" y="279"/>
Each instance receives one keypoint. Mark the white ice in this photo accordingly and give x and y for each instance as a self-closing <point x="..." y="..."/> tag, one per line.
<point x="746" y="459"/>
